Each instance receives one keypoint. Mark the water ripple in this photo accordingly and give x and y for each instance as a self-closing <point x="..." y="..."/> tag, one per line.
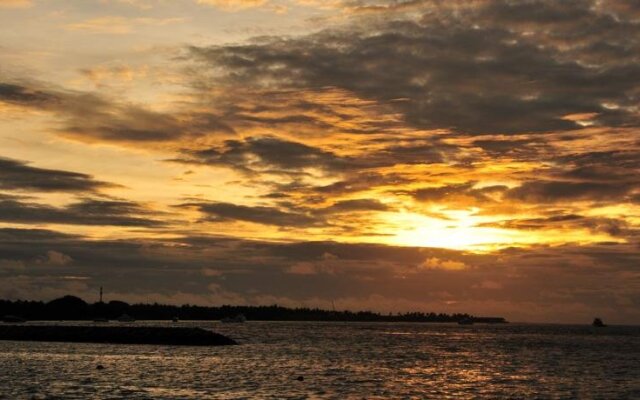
<point x="339" y="361"/>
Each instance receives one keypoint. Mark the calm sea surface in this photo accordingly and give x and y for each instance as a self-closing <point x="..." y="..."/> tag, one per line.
<point x="339" y="361"/>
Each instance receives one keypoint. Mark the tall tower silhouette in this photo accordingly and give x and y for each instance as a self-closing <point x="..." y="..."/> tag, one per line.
<point x="100" y="294"/>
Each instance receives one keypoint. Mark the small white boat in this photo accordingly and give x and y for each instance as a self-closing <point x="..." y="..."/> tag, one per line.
<point x="240" y="318"/>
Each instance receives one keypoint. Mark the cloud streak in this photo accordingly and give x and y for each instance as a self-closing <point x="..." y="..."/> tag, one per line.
<point x="18" y="175"/>
<point x="86" y="212"/>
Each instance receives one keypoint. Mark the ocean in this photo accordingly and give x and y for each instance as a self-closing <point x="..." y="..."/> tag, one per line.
<point x="318" y="360"/>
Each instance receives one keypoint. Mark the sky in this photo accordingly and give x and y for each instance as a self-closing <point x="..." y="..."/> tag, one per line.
<point x="477" y="156"/>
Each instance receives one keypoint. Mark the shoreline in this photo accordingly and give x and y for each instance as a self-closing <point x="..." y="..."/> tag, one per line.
<point x="119" y="334"/>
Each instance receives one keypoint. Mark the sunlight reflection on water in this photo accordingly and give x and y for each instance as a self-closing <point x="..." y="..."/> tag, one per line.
<point x="338" y="360"/>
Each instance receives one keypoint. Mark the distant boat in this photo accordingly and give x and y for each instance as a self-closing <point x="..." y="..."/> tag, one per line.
<point x="175" y="319"/>
<point x="466" y="321"/>
<point x="597" y="322"/>
<point x="126" y="318"/>
<point x="240" y="318"/>
<point x="100" y="320"/>
<point x="13" y="319"/>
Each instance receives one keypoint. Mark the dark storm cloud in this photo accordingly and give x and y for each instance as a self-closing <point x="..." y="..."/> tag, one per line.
<point x="85" y="212"/>
<point x="17" y="175"/>
<point x="221" y="212"/>
<point x="450" y="69"/>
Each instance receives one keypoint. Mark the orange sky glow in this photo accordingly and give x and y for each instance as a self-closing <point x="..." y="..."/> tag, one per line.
<point x="478" y="157"/>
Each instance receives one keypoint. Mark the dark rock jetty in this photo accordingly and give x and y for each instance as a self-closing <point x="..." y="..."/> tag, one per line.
<point x="115" y="334"/>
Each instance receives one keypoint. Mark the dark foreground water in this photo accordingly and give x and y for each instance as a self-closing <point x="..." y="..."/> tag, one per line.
<point x="339" y="361"/>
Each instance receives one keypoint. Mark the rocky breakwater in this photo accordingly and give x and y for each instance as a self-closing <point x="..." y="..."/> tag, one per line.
<point x="115" y="334"/>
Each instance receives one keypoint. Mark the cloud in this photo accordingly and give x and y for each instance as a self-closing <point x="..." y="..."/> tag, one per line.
<point x="91" y="117"/>
<point x="611" y="226"/>
<point x="274" y="155"/>
<point x="530" y="148"/>
<point x="558" y="191"/>
<point x="54" y="258"/>
<point x="32" y="235"/>
<point x="361" y="181"/>
<point x="118" y="25"/>
<point x="622" y="9"/>
<point x="355" y="205"/>
<point x="221" y="212"/>
<point x="18" y="175"/>
<point x="233" y="5"/>
<point x="140" y="4"/>
<point x="457" y="193"/>
<point x="449" y="69"/>
<point x="436" y="263"/>
<point x="326" y="264"/>
<point x="24" y="95"/>
<point x="114" y="72"/>
<point x="619" y="165"/>
<point x="84" y="212"/>
<point x="267" y="154"/>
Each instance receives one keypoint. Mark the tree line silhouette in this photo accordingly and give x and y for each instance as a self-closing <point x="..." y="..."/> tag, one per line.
<point x="74" y="308"/>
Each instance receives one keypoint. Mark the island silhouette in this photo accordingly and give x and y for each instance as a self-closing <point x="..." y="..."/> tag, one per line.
<point x="73" y="308"/>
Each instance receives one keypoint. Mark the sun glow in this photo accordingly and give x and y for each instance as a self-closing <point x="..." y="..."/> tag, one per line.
<point x="465" y="230"/>
<point x="458" y="229"/>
